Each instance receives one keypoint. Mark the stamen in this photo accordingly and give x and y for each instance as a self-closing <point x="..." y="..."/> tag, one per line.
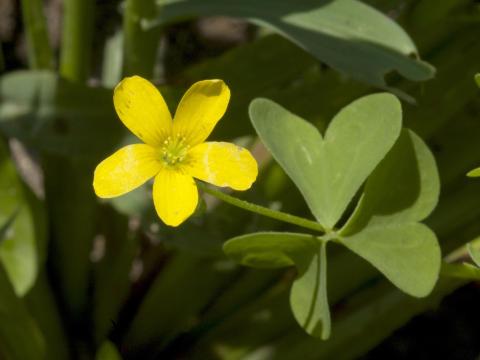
<point x="174" y="150"/>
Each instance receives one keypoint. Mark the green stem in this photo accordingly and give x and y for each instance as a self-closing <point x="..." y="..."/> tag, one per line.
<point x="140" y="45"/>
<point x="112" y="60"/>
<point x="78" y="22"/>
<point x="274" y="214"/>
<point x="40" y="53"/>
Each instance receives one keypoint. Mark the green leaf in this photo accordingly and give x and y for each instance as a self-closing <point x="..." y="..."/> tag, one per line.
<point x="20" y="236"/>
<point x="460" y="271"/>
<point x="20" y="337"/>
<point x="403" y="188"/>
<point x="329" y="172"/>
<point x="326" y="29"/>
<point x="477" y="79"/>
<point x="266" y="250"/>
<point x="111" y="280"/>
<point x="308" y="297"/>
<point x="383" y="229"/>
<point x="474" y="252"/>
<point x="407" y="254"/>
<point x="43" y="306"/>
<point x="57" y="116"/>
<point x="67" y="182"/>
<point x="108" y="351"/>
<point x="6" y="226"/>
<point x="474" y="173"/>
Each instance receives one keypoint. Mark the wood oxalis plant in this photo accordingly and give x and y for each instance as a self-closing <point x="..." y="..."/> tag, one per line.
<point x="88" y="279"/>
<point x="365" y="156"/>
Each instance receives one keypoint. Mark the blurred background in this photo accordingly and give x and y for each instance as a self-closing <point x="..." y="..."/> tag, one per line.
<point x="83" y="278"/>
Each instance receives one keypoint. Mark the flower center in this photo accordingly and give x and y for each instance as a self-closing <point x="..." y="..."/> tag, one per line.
<point x="174" y="150"/>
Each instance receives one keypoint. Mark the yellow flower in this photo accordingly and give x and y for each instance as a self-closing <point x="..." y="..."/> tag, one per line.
<point x="175" y="151"/>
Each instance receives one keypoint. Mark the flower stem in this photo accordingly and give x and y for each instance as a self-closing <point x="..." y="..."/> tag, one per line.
<point x="141" y="45"/>
<point x="40" y="53"/>
<point x="274" y="214"/>
<point x="78" y="23"/>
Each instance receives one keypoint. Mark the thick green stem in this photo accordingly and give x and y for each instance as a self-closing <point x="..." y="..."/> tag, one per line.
<point x="78" y="22"/>
<point x="112" y="60"/>
<point x="40" y="53"/>
<point x="140" y="45"/>
<point x="277" y="215"/>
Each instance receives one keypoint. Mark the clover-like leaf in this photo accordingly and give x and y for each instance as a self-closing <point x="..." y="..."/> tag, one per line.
<point x="329" y="171"/>
<point x="269" y="250"/>
<point x="308" y="297"/>
<point x="363" y="141"/>
<point x="384" y="227"/>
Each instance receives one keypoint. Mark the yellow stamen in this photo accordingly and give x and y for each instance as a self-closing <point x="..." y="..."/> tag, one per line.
<point x="174" y="150"/>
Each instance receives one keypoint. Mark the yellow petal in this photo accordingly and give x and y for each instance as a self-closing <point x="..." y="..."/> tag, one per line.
<point x="200" y="109"/>
<point x="125" y="170"/>
<point x="175" y="196"/>
<point x="223" y="164"/>
<point x="142" y="109"/>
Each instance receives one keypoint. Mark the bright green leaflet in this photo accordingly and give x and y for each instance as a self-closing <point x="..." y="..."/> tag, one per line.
<point x="19" y="236"/>
<point x="477" y="79"/>
<point x="328" y="30"/>
<point x="407" y="254"/>
<point x="308" y="297"/>
<point x="402" y="190"/>
<point x="329" y="171"/>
